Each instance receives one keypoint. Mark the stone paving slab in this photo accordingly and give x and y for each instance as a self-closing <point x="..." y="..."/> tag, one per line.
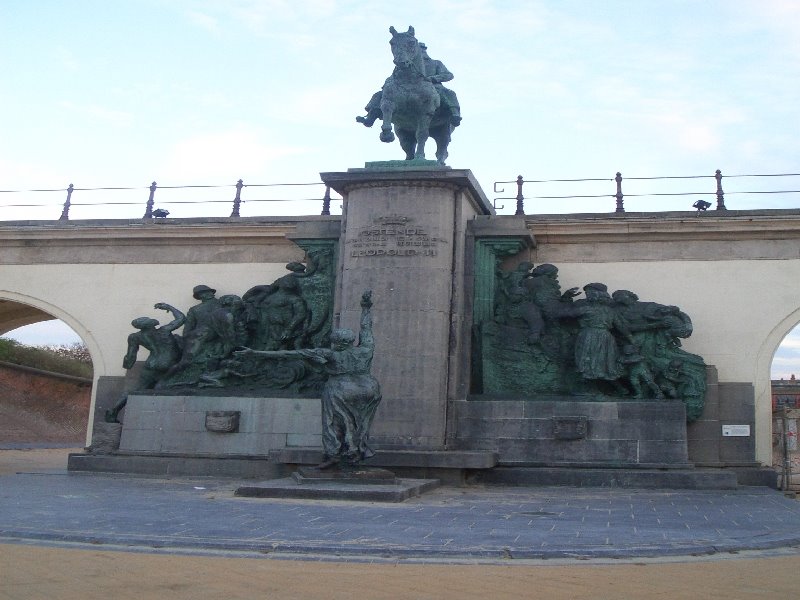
<point x="471" y="522"/>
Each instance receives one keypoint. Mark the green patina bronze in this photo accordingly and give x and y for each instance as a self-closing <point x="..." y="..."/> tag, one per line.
<point x="414" y="101"/>
<point x="350" y="394"/>
<point x="165" y="349"/>
<point x="291" y="313"/>
<point x="532" y="340"/>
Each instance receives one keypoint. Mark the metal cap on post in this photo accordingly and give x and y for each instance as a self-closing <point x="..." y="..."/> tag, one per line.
<point x="237" y="201"/>
<point x="520" y="198"/>
<point x="326" y="201"/>
<point x="65" y="213"/>
<point x="618" y="195"/>
<point x="148" y="213"/>
<point x="720" y="193"/>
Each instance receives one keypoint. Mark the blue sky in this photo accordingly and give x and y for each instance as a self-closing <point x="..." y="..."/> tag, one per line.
<point x="204" y="92"/>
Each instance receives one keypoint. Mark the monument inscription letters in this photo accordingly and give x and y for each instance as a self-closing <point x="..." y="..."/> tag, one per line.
<point x="394" y="235"/>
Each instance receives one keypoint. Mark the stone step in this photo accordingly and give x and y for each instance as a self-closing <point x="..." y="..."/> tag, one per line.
<point x="431" y="459"/>
<point x="253" y="467"/>
<point x="289" y="487"/>
<point x="694" y="479"/>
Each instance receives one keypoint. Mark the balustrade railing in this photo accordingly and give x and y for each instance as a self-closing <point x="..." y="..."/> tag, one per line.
<point x="532" y="187"/>
<point x="160" y="194"/>
<point x="714" y="191"/>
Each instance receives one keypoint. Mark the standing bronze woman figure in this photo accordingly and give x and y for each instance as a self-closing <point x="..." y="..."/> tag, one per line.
<point x="350" y="395"/>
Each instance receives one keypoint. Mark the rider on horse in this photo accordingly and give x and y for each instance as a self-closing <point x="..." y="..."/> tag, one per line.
<point x="436" y="73"/>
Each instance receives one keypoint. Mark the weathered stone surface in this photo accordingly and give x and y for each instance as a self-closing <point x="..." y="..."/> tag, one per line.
<point x="695" y="479"/>
<point x="288" y="487"/>
<point x="361" y="475"/>
<point x="106" y="438"/>
<point x="421" y="217"/>
<point x="223" y="421"/>
<point x="729" y="403"/>
<point x="255" y="467"/>
<point x="570" y="428"/>
<point x="177" y="424"/>
<point x="445" y="459"/>
<point x="611" y="433"/>
<point x="714" y="256"/>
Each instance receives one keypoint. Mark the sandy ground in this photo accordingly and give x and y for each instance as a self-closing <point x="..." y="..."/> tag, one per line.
<point x="49" y="572"/>
<point x="15" y="461"/>
<point x="45" y="572"/>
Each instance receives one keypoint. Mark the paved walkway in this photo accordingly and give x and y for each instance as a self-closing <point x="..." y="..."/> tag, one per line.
<point x="468" y="523"/>
<point x="185" y="537"/>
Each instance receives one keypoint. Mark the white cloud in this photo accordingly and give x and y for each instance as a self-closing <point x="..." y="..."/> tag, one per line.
<point x="783" y="15"/>
<point x="66" y="58"/>
<point x="484" y="17"/>
<point x="95" y="112"/>
<point x="790" y="342"/>
<point x="204" y="21"/>
<point x="787" y="358"/>
<point x="222" y="154"/>
<point x="690" y="134"/>
<point x="44" y="333"/>
<point x="258" y="16"/>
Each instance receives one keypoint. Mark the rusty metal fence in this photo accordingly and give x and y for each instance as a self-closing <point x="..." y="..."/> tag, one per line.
<point x="711" y="193"/>
<point x="155" y="193"/>
<point x="785" y="451"/>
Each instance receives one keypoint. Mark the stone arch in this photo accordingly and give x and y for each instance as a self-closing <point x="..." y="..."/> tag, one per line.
<point x="17" y="310"/>
<point x="762" y="378"/>
<point x="14" y="315"/>
<point x="34" y="310"/>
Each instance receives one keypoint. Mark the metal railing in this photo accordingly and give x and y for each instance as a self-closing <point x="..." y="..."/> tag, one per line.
<point x="239" y="190"/>
<point x="619" y="197"/>
<point x="150" y="209"/>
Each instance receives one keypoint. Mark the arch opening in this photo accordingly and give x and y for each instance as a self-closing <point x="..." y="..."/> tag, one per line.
<point x="785" y="396"/>
<point x="46" y="380"/>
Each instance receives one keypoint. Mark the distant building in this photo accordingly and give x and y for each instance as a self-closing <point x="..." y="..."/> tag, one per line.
<point x="785" y="393"/>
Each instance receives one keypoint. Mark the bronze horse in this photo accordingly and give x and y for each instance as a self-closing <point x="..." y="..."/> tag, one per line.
<point x="410" y="102"/>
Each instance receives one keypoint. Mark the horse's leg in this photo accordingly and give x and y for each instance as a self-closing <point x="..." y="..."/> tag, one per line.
<point x="442" y="137"/>
<point x="423" y="133"/>
<point x="387" y="108"/>
<point x="428" y="109"/>
<point x="407" y="142"/>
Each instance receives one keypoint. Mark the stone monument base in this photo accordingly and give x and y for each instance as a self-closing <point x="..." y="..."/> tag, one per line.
<point x="352" y="487"/>
<point x="568" y="433"/>
<point x="683" y="479"/>
<point x="449" y="466"/>
<point x="106" y="438"/>
<point x="364" y="475"/>
<point x="178" y="465"/>
<point x="405" y="165"/>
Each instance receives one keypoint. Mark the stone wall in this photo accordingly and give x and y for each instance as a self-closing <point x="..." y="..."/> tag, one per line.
<point x="727" y="270"/>
<point x="38" y="409"/>
<point x="189" y="425"/>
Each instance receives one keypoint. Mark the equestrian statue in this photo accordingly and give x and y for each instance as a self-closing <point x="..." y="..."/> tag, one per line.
<point x="414" y="101"/>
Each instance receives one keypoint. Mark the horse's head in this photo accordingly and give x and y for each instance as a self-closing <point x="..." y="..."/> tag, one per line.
<point x="405" y="47"/>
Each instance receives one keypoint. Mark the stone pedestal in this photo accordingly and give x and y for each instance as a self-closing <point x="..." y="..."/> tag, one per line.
<point x="403" y="237"/>
<point x="367" y="485"/>
<point x="106" y="437"/>
<point x="566" y="433"/>
<point x="219" y="425"/>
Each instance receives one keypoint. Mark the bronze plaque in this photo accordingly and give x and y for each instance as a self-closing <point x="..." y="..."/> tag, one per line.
<point x="222" y="421"/>
<point x="570" y="428"/>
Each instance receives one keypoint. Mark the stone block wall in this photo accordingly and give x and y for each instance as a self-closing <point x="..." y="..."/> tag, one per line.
<point x="730" y="403"/>
<point x="177" y="425"/>
<point x="569" y="433"/>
